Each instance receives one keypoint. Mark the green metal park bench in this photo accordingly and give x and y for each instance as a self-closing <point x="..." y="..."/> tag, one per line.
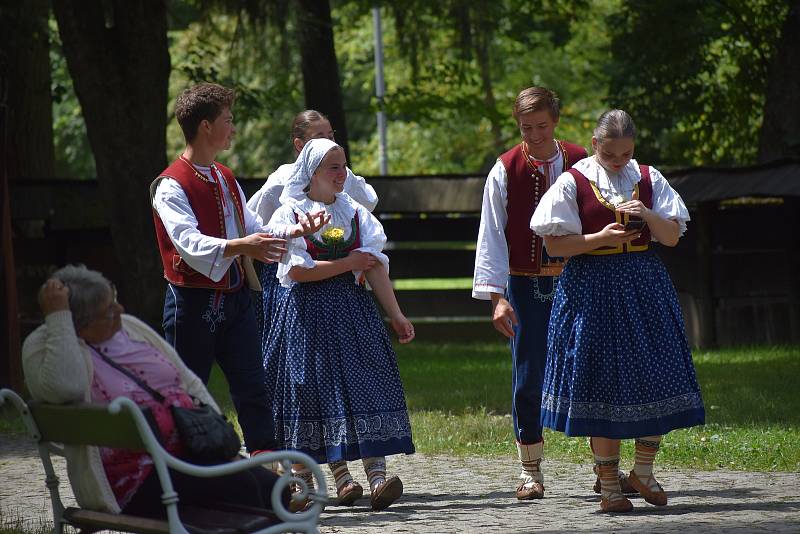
<point x="122" y="424"/>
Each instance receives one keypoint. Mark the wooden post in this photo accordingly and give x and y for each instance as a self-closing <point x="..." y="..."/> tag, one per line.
<point x="703" y="222"/>
<point x="10" y="364"/>
<point x="791" y="207"/>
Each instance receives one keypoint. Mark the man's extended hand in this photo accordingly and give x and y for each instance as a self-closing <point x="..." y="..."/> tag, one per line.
<point x="259" y="246"/>
<point x="503" y="316"/>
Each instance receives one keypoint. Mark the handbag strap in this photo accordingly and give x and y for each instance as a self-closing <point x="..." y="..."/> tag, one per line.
<point x="127" y="372"/>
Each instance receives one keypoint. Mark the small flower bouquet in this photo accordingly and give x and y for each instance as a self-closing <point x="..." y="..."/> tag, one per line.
<point x="333" y="235"/>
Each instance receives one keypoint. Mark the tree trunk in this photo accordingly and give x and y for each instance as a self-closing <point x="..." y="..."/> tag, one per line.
<point x="118" y="58"/>
<point x="10" y="361"/>
<point x="25" y="50"/>
<point x="26" y="146"/>
<point x="482" y="53"/>
<point x="780" y="132"/>
<point x="320" y="67"/>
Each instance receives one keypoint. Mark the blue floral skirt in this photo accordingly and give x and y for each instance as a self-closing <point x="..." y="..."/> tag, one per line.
<point x="618" y="363"/>
<point x="338" y="394"/>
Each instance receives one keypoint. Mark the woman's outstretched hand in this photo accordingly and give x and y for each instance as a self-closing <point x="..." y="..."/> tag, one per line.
<point x="403" y="328"/>
<point x="310" y="223"/>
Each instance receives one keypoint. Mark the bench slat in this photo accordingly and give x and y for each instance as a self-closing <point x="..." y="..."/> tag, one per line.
<point x="86" y="424"/>
<point x="124" y="523"/>
<point x="196" y="520"/>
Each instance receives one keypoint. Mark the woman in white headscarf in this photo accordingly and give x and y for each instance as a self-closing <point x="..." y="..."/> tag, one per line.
<point x="338" y="395"/>
<point x="307" y="125"/>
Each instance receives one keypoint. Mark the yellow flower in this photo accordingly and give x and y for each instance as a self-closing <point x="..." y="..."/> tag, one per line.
<point x="333" y="234"/>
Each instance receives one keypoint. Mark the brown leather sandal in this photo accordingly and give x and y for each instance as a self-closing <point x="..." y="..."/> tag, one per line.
<point x="385" y="494"/>
<point x="349" y="493"/>
<point x="534" y="491"/>
<point x="657" y="498"/>
<point x="619" y="506"/>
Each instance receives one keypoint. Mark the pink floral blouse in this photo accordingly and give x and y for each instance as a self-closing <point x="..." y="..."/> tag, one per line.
<point x="127" y="469"/>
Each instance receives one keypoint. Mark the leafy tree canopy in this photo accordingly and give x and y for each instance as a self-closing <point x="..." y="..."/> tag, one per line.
<point x="692" y="73"/>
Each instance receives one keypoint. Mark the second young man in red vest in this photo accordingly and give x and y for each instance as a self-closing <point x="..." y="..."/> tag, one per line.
<point x="512" y="268"/>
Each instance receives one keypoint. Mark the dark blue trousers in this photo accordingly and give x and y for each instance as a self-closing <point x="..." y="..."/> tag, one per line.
<point x="531" y="298"/>
<point x="207" y="326"/>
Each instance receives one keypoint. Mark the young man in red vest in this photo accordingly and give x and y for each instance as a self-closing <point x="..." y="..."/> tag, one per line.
<point x="207" y="238"/>
<point x="512" y="268"/>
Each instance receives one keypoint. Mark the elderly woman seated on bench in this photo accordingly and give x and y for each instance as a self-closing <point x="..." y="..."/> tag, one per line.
<point x="65" y="361"/>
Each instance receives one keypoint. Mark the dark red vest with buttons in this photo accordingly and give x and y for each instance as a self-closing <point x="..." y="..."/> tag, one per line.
<point x="596" y="213"/>
<point x="205" y="198"/>
<point x="526" y="185"/>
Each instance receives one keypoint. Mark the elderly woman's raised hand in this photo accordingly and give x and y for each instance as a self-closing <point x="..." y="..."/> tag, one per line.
<point x="53" y="296"/>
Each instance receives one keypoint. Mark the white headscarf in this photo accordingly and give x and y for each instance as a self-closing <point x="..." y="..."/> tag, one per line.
<point x="304" y="167"/>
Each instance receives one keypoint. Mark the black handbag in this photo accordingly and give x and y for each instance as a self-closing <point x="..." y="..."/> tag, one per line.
<point x="207" y="437"/>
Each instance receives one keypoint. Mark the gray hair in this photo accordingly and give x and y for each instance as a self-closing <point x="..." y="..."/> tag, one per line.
<point x="614" y="124"/>
<point x="87" y="289"/>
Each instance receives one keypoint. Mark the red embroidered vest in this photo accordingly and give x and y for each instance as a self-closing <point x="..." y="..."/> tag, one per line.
<point x="206" y="201"/>
<point x="596" y="212"/>
<point x="526" y="185"/>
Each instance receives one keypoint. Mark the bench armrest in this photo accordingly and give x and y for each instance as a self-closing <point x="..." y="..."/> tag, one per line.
<point x="163" y="460"/>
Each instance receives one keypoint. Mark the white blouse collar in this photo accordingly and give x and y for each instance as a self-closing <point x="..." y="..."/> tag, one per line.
<point x="343" y="208"/>
<point x="592" y="169"/>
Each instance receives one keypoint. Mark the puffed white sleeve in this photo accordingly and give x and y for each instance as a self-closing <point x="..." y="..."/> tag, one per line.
<point x="557" y="212"/>
<point x="205" y="254"/>
<point x="254" y="222"/>
<point x="296" y="251"/>
<point x="265" y="201"/>
<point x="491" y="252"/>
<point x="359" y="190"/>
<point x="373" y="238"/>
<point x="667" y="203"/>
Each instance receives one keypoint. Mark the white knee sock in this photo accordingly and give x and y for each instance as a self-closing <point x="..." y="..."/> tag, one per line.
<point x="375" y="468"/>
<point x="530" y="456"/>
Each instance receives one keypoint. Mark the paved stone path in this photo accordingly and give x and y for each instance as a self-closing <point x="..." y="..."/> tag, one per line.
<point x="474" y="495"/>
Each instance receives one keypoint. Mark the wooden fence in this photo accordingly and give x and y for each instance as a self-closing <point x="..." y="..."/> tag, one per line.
<point x="736" y="270"/>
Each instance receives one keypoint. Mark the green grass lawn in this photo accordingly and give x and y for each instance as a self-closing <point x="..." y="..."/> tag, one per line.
<point x="459" y="399"/>
<point x="459" y="395"/>
<point x="403" y="284"/>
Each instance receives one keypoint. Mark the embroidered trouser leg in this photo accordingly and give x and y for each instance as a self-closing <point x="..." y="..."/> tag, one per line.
<point x="206" y="326"/>
<point x="531" y="298"/>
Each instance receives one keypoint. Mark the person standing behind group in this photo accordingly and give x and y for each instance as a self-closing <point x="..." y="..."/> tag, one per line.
<point x="618" y="362"/>
<point x="339" y="396"/>
<point x="513" y="270"/>
<point x="206" y="237"/>
<point x="307" y="125"/>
